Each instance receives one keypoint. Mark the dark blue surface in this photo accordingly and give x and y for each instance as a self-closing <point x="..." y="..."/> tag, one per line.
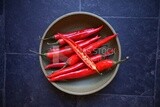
<point x="137" y="81"/>
<point x="159" y="43"/>
<point x="2" y="52"/>
<point x="157" y="97"/>
<point x="134" y="8"/>
<point x="2" y="34"/>
<point x="26" y="85"/>
<point x="1" y="71"/>
<point x="26" y="21"/>
<point x="114" y="101"/>
<point x="137" y="38"/>
<point x="1" y="98"/>
<point x="1" y="7"/>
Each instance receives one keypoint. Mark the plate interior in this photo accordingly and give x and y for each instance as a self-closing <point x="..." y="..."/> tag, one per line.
<point x="72" y="23"/>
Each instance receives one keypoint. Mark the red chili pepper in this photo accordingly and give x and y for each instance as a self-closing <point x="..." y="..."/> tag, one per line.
<point x="70" y="34"/>
<point x="79" y="51"/>
<point x="55" y="65"/>
<point x="87" y="49"/>
<point x="74" y="58"/>
<point x="93" y="58"/>
<point x="79" y="35"/>
<point x="57" y="48"/>
<point x="101" y="66"/>
<point x="68" y="50"/>
<point x="77" y="66"/>
<point x="81" y="43"/>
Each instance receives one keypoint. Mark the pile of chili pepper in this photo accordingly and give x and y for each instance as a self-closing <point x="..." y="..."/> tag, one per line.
<point x="78" y="48"/>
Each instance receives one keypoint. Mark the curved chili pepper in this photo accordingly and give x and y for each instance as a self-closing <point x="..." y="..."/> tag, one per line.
<point x="79" y="35"/>
<point x="82" y="44"/>
<point x="81" y="32"/>
<point x="55" y="65"/>
<point x="57" y="48"/>
<point x="77" y="66"/>
<point x="93" y="58"/>
<point x="70" y="34"/>
<point x="74" y="58"/>
<point x="79" y="51"/>
<point x="68" y="50"/>
<point x="101" y="66"/>
<point x="78" y="41"/>
<point x="57" y="53"/>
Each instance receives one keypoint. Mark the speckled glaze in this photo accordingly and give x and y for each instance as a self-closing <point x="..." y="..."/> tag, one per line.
<point x="74" y="21"/>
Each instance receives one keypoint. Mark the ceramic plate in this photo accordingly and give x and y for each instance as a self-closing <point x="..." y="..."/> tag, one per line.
<point x="75" y="21"/>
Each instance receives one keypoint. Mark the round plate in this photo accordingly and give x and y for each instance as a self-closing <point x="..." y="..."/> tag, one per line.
<point x="75" y="21"/>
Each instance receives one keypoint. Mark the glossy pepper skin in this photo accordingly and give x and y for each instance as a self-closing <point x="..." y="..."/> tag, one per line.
<point x="61" y="64"/>
<point x="55" y="65"/>
<point x="79" y="51"/>
<point x="75" y="33"/>
<point x="79" y="35"/>
<point x="74" y="58"/>
<point x="68" y="50"/>
<point x="57" y="48"/>
<point x="101" y="66"/>
<point x="94" y="58"/>
<point x="77" y="66"/>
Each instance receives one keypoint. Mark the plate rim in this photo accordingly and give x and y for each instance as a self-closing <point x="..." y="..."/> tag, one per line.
<point x="119" y="57"/>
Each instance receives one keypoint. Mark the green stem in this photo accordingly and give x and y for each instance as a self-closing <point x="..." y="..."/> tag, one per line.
<point x="55" y="43"/>
<point x="52" y="37"/>
<point x="37" y="53"/>
<point x="118" y="62"/>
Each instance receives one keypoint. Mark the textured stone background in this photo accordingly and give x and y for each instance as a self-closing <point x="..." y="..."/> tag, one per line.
<point x="137" y="83"/>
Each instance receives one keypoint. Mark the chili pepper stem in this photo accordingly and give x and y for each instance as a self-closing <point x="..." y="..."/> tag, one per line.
<point x="52" y="37"/>
<point x="55" y="43"/>
<point x="37" y="53"/>
<point x="118" y="62"/>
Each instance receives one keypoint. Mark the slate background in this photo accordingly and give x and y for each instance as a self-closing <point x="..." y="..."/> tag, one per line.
<point x="137" y="83"/>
